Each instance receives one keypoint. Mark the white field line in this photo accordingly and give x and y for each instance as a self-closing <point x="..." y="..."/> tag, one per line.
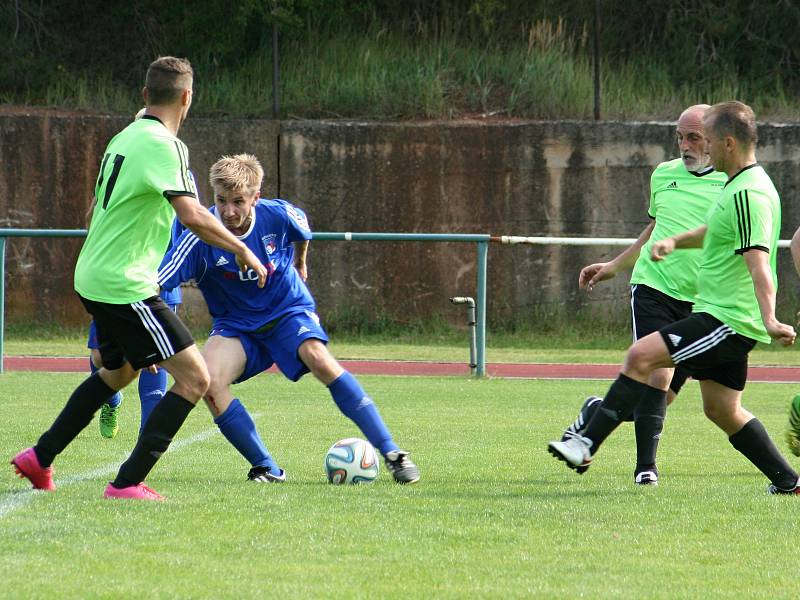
<point x="15" y="500"/>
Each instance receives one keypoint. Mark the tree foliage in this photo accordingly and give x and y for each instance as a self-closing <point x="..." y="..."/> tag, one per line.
<point x="693" y="39"/>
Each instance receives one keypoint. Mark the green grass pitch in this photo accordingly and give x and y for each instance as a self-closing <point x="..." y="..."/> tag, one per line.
<point x="493" y="516"/>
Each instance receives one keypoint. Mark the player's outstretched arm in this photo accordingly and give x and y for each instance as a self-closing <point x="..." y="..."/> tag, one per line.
<point x="89" y="211"/>
<point x="794" y="247"/>
<point x="205" y="226"/>
<point x="764" y="287"/>
<point x="300" y="254"/>
<point x="688" y="239"/>
<point x="593" y="274"/>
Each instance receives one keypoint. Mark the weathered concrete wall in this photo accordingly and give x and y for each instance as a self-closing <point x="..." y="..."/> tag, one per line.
<point x="560" y="179"/>
<point x="568" y="178"/>
<point x="48" y="166"/>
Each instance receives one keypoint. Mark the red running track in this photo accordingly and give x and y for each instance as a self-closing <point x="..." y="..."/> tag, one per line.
<point x="396" y="367"/>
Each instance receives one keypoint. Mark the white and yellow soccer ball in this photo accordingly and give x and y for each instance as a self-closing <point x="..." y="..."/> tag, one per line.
<point x="351" y="461"/>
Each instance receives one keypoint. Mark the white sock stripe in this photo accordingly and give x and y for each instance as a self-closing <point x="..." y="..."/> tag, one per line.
<point x="168" y="270"/>
<point x="154" y="327"/>
<point x="704" y="343"/>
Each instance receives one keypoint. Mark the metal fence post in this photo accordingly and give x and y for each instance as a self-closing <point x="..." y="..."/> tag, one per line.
<point x="2" y="299"/>
<point x="483" y="253"/>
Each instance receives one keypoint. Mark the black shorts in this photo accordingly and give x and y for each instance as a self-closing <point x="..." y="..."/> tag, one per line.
<point x="709" y="349"/>
<point x="142" y="333"/>
<point x="650" y="311"/>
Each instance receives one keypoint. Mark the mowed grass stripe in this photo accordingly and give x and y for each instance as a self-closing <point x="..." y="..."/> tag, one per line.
<point x="493" y="516"/>
<point x="14" y="500"/>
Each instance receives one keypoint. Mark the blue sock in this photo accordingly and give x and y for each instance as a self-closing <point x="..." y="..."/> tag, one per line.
<point x="116" y="399"/>
<point x="239" y="429"/>
<point x="152" y="387"/>
<point x="354" y="403"/>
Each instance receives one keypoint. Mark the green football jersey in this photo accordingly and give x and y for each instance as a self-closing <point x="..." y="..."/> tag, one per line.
<point x="747" y="216"/>
<point x="144" y="165"/>
<point x="679" y="201"/>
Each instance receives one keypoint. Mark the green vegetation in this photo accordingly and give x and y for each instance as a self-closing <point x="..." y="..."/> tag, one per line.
<point x="407" y="60"/>
<point x="493" y="516"/>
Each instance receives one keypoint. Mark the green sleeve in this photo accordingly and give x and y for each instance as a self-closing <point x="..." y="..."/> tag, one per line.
<point x="168" y="172"/>
<point x="651" y="209"/>
<point x="752" y="221"/>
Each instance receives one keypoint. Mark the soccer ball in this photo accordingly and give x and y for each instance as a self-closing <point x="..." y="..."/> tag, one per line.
<point x="351" y="461"/>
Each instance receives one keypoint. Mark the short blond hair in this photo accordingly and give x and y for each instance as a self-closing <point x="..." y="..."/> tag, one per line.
<point x="237" y="173"/>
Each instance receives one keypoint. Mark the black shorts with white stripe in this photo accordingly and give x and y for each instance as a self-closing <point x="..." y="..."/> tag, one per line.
<point x="651" y="310"/>
<point x="142" y="333"/>
<point x="709" y="349"/>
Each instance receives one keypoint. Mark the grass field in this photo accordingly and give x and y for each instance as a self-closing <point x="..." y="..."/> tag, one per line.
<point x="504" y="349"/>
<point x="493" y="516"/>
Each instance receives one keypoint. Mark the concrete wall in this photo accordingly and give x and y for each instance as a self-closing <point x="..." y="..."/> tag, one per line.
<point x="535" y="178"/>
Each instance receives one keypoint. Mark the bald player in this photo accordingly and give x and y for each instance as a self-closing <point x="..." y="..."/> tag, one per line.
<point x="681" y="192"/>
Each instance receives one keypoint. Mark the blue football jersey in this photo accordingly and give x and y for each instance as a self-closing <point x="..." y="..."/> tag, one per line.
<point x="174" y="296"/>
<point x="233" y="297"/>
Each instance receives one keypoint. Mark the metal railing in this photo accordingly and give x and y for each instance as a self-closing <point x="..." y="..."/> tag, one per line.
<point x="482" y="240"/>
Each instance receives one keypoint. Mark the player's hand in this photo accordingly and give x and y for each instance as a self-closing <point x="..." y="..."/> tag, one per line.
<point x="660" y="249"/>
<point x="594" y="274"/>
<point x="152" y="369"/>
<point x="247" y="260"/>
<point x="781" y="332"/>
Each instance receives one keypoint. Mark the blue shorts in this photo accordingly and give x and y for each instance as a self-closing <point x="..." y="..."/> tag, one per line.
<point x="93" y="344"/>
<point x="278" y="345"/>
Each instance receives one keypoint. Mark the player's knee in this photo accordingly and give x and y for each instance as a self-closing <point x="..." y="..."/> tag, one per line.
<point x="203" y="382"/>
<point x="637" y="360"/>
<point x="316" y="356"/>
<point x="717" y="413"/>
<point x="94" y="356"/>
<point x="216" y="387"/>
<point x="195" y="385"/>
<point x="660" y="379"/>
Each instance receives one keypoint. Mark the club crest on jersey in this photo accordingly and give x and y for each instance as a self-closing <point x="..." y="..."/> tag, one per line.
<point x="269" y="243"/>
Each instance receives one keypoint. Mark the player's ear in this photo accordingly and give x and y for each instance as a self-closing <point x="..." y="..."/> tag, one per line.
<point x="145" y="94"/>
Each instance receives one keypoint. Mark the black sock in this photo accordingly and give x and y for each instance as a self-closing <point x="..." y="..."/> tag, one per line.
<point x="622" y="397"/>
<point x="753" y="441"/>
<point x="648" y="419"/>
<point x="77" y="413"/>
<point x="154" y="439"/>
